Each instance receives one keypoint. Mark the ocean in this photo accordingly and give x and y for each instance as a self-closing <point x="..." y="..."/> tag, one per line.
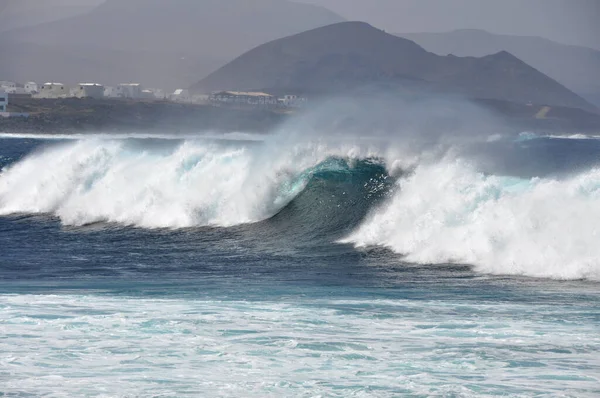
<point x="262" y="266"/>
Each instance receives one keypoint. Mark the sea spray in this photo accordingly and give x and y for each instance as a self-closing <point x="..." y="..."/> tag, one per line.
<point x="448" y="212"/>
<point x="435" y="210"/>
<point x="189" y="184"/>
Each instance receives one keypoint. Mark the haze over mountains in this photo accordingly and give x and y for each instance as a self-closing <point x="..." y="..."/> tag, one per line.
<point x="563" y="21"/>
<point x="21" y="13"/>
<point x="159" y="43"/>
<point x="577" y="68"/>
<point x="348" y="55"/>
<point x="173" y="44"/>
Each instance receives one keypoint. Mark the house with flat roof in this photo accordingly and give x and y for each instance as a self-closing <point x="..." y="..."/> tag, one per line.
<point x="88" y="90"/>
<point x="130" y="90"/>
<point x="53" y="90"/>
<point x="7" y="86"/>
<point x="31" y="88"/>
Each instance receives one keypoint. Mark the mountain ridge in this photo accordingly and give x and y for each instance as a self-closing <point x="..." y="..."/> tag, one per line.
<point x="576" y="67"/>
<point x="349" y="54"/>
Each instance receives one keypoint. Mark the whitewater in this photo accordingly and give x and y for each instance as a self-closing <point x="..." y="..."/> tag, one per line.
<point x="299" y="265"/>
<point x="440" y="210"/>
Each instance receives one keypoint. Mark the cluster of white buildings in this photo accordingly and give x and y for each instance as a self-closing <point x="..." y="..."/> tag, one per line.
<point x="255" y="99"/>
<point x="93" y="90"/>
<point x="16" y="88"/>
<point x="137" y="91"/>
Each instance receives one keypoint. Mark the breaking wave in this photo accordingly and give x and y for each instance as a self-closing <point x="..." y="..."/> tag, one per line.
<point x="449" y="212"/>
<point x="428" y="211"/>
<point x="189" y="184"/>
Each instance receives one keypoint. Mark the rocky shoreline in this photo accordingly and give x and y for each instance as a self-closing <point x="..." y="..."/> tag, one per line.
<point x="72" y="115"/>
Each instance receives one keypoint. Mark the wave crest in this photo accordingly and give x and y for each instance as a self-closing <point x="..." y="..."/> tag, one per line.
<point x="176" y="185"/>
<point x="450" y="213"/>
<point x="311" y="193"/>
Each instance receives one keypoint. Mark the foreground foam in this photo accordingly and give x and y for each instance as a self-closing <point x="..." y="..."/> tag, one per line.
<point x="74" y="345"/>
<point x="449" y="212"/>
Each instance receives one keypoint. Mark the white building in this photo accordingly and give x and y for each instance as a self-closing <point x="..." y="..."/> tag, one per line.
<point x="7" y="86"/>
<point x="53" y="90"/>
<point x="3" y="101"/>
<point x="12" y="87"/>
<point x="112" y="92"/>
<point x="31" y="88"/>
<point x="131" y="90"/>
<point x="88" y="90"/>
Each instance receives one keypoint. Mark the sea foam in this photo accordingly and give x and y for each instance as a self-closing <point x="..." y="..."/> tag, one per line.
<point x="193" y="183"/>
<point x="448" y="212"/>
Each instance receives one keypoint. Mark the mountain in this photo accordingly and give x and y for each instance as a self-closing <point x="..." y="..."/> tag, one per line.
<point x="564" y="21"/>
<point x="577" y="68"/>
<point x="21" y="13"/>
<point x="352" y="54"/>
<point x="166" y="42"/>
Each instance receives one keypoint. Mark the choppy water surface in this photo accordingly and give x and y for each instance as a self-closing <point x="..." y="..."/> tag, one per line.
<point x="155" y="267"/>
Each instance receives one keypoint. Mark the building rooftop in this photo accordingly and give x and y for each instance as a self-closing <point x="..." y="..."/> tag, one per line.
<point x="245" y="93"/>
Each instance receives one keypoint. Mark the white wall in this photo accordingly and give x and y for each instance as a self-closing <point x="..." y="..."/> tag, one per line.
<point x="88" y="91"/>
<point x="53" y="91"/>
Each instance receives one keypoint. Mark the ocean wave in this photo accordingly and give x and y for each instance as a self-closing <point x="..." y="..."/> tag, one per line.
<point x="196" y="183"/>
<point x="449" y="212"/>
<point x="429" y="211"/>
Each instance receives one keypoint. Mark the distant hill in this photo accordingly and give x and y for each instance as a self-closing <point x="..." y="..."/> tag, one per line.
<point x="21" y="13"/>
<point x="577" y="68"/>
<point x="564" y="21"/>
<point x="157" y="42"/>
<point x="353" y="54"/>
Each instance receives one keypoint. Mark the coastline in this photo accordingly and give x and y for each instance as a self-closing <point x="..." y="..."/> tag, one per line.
<point x="80" y="116"/>
<point x="72" y="115"/>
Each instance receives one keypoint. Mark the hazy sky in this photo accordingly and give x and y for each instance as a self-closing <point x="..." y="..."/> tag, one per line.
<point x="567" y="21"/>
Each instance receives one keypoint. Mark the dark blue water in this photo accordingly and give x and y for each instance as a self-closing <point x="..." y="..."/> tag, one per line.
<point x="132" y="267"/>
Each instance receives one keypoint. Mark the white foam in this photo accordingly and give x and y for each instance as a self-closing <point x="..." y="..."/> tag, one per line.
<point x="198" y="183"/>
<point x="73" y="345"/>
<point x="450" y="213"/>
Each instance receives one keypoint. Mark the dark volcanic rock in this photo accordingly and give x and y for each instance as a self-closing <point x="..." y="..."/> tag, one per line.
<point x="577" y="68"/>
<point x="91" y="115"/>
<point x="351" y="54"/>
